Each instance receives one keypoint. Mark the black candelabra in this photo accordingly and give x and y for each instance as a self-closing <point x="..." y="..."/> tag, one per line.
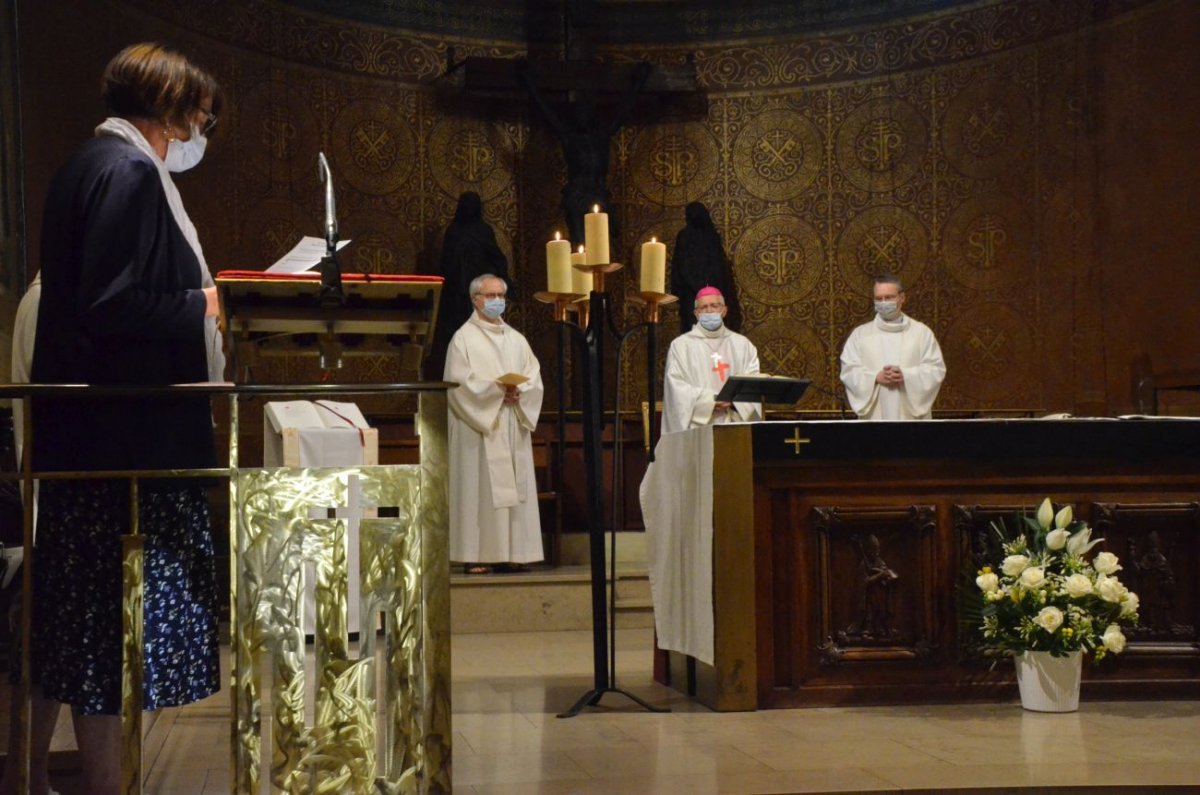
<point x="595" y="321"/>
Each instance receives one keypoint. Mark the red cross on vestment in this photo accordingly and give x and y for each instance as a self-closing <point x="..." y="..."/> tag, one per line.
<point x="719" y="367"/>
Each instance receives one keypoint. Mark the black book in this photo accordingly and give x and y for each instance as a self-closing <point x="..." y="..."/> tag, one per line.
<point x="774" y="389"/>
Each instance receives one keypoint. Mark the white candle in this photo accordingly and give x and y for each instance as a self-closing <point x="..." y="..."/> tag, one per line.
<point x="654" y="267"/>
<point x="595" y="235"/>
<point x="558" y="265"/>
<point x="581" y="281"/>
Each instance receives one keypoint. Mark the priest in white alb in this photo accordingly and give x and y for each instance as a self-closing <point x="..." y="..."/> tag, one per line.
<point x="494" y="521"/>
<point x="892" y="367"/>
<point x="698" y="365"/>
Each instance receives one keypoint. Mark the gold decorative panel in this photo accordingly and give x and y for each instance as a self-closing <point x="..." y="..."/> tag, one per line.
<point x="369" y="717"/>
<point x="991" y="153"/>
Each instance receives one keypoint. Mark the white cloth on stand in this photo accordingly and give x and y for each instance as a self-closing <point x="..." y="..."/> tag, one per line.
<point x="677" y="506"/>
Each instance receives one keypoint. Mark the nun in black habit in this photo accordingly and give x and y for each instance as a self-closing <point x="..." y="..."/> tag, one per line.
<point x="469" y="249"/>
<point x="699" y="260"/>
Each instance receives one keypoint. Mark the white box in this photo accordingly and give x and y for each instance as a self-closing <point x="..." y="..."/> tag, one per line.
<point x="302" y="433"/>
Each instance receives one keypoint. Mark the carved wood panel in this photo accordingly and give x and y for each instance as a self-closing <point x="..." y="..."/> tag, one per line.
<point x="875" y="580"/>
<point x="1159" y="548"/>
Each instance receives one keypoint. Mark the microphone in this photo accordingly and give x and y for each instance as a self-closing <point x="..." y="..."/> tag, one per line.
<point x="331" y="227"/>
<point x="841" y="400"/>
<point x="331" y="273"/>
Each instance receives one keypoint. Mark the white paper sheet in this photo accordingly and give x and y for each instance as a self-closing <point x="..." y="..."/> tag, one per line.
<point x="304" y="256"/>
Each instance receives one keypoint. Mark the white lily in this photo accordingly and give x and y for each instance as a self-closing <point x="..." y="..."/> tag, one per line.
<point x="1057" y="539"/>
<point x="1045" y="514"/>
<point x="1064" y="517"/>
<point x="1080" y="542"/>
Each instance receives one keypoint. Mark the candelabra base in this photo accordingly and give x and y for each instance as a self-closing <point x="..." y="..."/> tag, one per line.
<point x="592" y="699"/>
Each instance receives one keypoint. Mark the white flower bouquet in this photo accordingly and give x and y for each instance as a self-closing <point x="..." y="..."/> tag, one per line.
<point x="1046" y="595"/>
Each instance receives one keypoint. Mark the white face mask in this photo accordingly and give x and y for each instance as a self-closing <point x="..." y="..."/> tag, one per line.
<point x="182" y="155"/>
<point x="888" y="310"/>
<point x="710" y="321"/>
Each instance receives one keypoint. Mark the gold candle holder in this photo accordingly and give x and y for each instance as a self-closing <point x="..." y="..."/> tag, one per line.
<point x="598" y="272"/>
<point x="651" y="303"/>
<point x="583" y="307"/>
<point x="561" y="301"/>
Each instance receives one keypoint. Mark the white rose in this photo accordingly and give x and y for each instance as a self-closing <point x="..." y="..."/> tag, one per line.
<point x="1049" y="619"/>
<point x="1078" y="585"/>
<point x="988" y="582"/>
<point x="1106" y="563"/>
<point x="1014" y="565"/>
<point x="1129" y="604"/>
<point x="1110" y="589"/>
<point x="1064" y="517"/>
<point x="1032" y="577"/>
<point x="1113" y="639"/>
<point x="1045" y="513"/>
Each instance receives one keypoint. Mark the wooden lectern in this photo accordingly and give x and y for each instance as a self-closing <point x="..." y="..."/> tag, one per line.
<point x="274" y="314"/>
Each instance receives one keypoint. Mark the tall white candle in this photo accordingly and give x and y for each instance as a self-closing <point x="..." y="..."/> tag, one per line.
<point x="581" y="281"/>
<point x="595" y="235"/>
<point x="654" y="267"/>
<point x="558" y="265"/>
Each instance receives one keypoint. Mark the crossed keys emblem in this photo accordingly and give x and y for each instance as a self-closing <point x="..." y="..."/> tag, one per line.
<point x="372" y="144"/>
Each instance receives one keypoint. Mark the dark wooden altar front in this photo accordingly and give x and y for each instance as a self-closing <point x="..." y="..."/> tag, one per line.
<point x="839" y="546"/>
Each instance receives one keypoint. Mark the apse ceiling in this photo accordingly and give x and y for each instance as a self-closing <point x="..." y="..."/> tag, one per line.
<point x="625" y="21"/>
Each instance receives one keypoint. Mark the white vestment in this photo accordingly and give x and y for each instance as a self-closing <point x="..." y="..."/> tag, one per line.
<point x="493" y="493"/>
<point x="24" y="330"/>
<point x="907" y="344"/>
<point x="698" y="364"/>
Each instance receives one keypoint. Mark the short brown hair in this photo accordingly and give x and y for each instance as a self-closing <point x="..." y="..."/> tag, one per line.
<point x="151" y="81"/>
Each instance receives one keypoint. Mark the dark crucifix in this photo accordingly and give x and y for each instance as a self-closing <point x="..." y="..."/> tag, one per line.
<point x="585" y="135"/>
<point x="585" y="101"/>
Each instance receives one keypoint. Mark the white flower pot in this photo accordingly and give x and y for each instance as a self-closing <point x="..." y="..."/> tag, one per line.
<point x="1048" y="683"/>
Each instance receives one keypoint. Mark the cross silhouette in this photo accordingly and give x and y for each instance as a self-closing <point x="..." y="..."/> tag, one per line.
<point x="354" y="511"/>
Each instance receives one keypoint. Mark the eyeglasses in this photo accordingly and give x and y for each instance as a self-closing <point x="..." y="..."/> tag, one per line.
<point x="490" y="296"/>
<point x="210" y="121"/>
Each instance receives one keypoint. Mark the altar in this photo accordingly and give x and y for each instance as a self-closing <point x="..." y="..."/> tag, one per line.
<point x="760" y="594"/>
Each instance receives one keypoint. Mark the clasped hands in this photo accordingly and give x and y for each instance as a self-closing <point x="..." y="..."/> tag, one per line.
<point x="512" y="395"/>
<point x="891" y="376"/>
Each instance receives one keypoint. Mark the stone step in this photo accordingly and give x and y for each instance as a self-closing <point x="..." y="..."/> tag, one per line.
<point x="544" y="599"/>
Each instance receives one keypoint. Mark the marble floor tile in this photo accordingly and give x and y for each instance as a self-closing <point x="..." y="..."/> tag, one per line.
<point x="507" y="689"/>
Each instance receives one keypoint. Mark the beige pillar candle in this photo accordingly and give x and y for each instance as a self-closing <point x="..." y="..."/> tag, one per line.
<point x="581" y="281"/>
<point x="654" y="267"/>
<point x="558" y="265"/>
<point x="595" y="235"/>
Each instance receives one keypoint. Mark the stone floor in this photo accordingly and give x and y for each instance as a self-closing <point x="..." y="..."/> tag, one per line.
<point x="507" y="688"/>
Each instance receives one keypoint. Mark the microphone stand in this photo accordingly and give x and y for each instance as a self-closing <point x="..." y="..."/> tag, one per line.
<point x="842" y="407"/>
<point x="331" y="294"/>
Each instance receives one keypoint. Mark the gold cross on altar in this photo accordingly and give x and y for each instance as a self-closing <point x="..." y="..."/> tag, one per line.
<point x="796" y="441"/>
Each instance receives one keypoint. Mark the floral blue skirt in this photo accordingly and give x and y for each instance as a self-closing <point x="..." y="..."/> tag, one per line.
<point x="77" y="595"/>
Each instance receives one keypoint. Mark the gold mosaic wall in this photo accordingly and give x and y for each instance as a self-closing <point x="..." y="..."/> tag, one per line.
<point x="965" y="151"/>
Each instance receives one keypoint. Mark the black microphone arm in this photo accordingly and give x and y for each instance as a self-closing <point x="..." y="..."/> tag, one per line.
<point x="836" y="396"/>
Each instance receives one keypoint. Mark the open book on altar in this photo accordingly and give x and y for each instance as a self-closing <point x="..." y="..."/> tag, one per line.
<point x="763" y="388"/>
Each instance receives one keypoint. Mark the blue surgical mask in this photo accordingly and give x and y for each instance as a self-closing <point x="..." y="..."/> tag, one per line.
<point x="182" y="155"/>
<point x="493" y="308"/>
<point x="710" y="321"/>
